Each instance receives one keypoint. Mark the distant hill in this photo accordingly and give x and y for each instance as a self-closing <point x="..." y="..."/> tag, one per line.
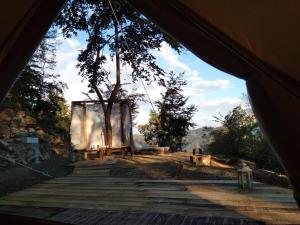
<point x="139" y="138"/>
<point x="200" y="136"/>
<point x="139" y="141"/>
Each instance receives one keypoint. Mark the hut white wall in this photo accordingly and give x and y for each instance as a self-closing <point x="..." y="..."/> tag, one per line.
<point x="76" y="129"/>
<point x="127" y="125"/>
<point x="95" y="126"/>
<point x="115" y="120"/>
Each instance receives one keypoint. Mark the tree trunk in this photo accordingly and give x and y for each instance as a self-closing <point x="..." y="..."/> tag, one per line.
<point x="112" y="98"/>
<point x="107" y="109"/>
<point x="108" y="128"/>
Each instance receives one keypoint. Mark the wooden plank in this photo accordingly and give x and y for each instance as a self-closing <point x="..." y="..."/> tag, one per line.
<point x="121" y="185"/>
<point x="175" y="191"/>
<point x="145" y="195"/>
<point x="86" y="198"/>
<point x="159" y="192"/>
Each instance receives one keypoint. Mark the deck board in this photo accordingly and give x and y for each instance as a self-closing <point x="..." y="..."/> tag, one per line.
<point x="90" y="195"/>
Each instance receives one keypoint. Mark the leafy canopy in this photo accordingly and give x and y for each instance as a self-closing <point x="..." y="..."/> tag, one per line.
<point x="174" y="118"/>
<point x="240" y="137"/>
<point x="38" y="91"/>
<point x="133" y="36"/>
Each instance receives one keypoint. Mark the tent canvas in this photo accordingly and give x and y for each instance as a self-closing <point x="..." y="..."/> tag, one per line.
<point x="257" y="41"/>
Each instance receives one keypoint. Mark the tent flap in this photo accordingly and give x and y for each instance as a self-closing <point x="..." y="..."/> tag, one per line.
<point x="23" y="24"/>
<point x="250" y="41"/>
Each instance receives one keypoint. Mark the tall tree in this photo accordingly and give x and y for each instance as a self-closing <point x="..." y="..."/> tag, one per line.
<point x="151" y="131"/>
<point x="174" y="118"/>
<point x="240" y="137"/>
<point x="38" y="91"/>
<point x="238" y="127"/>
<point x="115" y="27"/>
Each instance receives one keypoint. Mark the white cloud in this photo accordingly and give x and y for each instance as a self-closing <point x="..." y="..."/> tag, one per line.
<point x="171" y="59"/>
<point x="220" y="102"/>
<point x="67" y="53"/>
<point x="207" y="109"/>
<point x="196" y="84"/>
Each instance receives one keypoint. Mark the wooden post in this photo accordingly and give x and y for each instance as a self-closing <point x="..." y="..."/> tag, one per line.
<point x="84" y="128"/>
<point x="85" y="154"/>
<point x="72" y="156"/>
<point x="122" y="123"/>
<point x="131" y="132"/>
<point x="71" y="149"/>
<point x="123" y="148"/>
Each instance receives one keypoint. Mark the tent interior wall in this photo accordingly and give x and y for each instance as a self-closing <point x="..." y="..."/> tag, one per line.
<point x="257" y="41"/>
<point x="88" y="125"/>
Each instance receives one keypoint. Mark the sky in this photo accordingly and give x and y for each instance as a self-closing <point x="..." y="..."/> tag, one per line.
<point x="209" y="89"/>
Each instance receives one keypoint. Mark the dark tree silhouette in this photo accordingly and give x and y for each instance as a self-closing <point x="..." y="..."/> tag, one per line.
<point x="174" y="118"/>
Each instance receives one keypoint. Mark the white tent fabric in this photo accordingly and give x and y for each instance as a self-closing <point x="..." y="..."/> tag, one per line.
<point x="95" y="126"/>
<point x="76" y="129"/>
<point x="127" y="125"/>
<point x="90" y="132"/>
<point x="116" y="125"/>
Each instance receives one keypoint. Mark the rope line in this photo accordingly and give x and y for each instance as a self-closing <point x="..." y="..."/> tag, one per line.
<point x="131" y="52"/>
<point x="35" y="170"/>
<point x="148" y="95"/>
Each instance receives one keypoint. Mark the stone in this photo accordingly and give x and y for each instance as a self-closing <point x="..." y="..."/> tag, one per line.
<point x="203" y="160"/>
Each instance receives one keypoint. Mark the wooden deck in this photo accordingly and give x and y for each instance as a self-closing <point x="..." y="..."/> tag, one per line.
<point x="90" y="194"/>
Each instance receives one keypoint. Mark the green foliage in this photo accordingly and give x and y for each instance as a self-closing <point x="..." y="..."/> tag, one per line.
<point x="174" y="119"/>
<point x="240" y="137"/>
<point x="151" y="131"/>
<point x="237" y="130"/>
<point x="38" y="93"/>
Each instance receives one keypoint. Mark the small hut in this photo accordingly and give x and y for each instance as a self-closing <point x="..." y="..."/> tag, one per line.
<point x="88" y="131"/>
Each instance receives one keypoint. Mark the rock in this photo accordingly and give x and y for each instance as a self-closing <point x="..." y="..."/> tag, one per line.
<point x="203" y="160"/>
<point x="15" y="126"/>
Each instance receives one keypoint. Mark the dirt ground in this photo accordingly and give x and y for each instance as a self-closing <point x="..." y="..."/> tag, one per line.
<point x="167" y="167"/>
<point x="17" y="178"/>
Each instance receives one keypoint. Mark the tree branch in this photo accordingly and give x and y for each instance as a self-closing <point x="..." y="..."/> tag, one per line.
<point x="100" y="97"/>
